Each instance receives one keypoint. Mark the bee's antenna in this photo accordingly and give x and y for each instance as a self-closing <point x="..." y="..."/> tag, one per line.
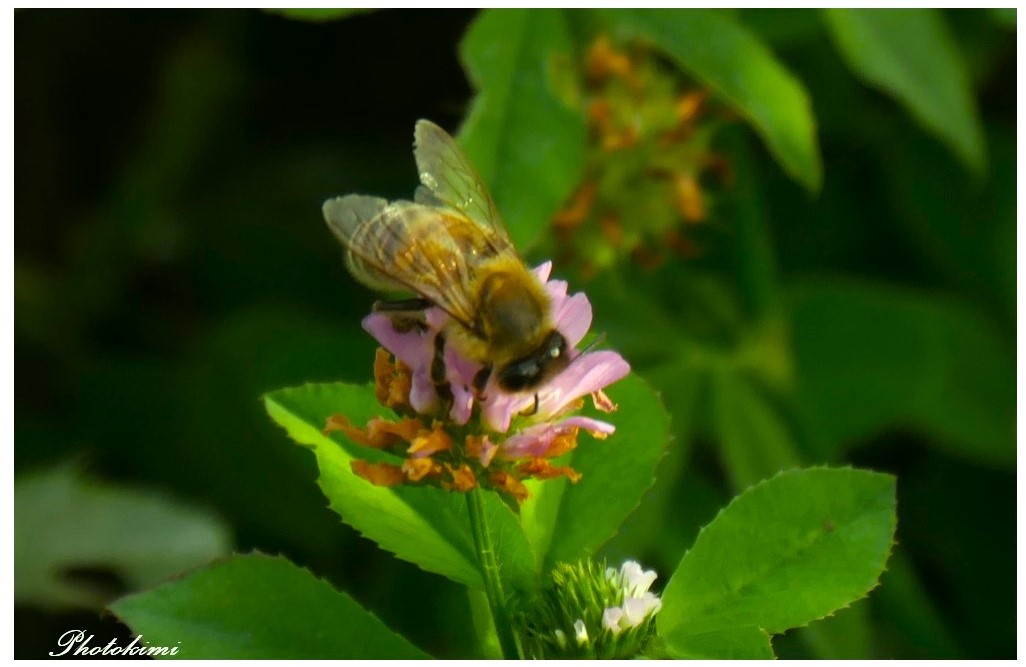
<point x="599" y="339"/>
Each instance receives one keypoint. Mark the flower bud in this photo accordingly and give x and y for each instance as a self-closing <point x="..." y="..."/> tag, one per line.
<point x="608" y="612"/>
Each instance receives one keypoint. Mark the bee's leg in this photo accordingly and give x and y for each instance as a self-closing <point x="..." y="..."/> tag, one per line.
<point x="481" y="379"/>
<point x="406" y="315"/>
<point x="442" y="387"/>
<point x="534" y="408"/>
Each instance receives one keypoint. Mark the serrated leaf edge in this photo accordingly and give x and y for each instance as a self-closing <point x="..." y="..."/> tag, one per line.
<point x="267" y="398"/>
<point x="225" y="560"/>
<point x="883" y="568"/>
<point x="546" y="564"/>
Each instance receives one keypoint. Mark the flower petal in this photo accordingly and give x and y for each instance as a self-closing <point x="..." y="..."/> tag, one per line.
<point x="488" y="452"/>
<point x="498" y="407"/>
<point x="585" y="375"/>
<point x="572" y="317"/>
<point x="557" y="290"/>
<point x="611" y="619"/>
<point x="594" y="426"/>
<point x="636" y="580"/>
<point x="542" y="271"/>
<point x="580" y="632"/>
<point x="459" y="372"/>
<point x="634" y="611"/>
<point x="423" y="397"/>
<point x="413" y="348"/>
<point x="653" y="602"/>
<point x="531" y="441"/>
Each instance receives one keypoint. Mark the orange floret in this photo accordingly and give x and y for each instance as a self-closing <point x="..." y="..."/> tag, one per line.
<point x="542" y="469"/>
<point x="418" y="469"/>
<point x="688" y="198"/>
<point x="504" y="481"/>
<point x="392" y="380"/>
<point x="478" y="445"/>
<point x="379" y="433"/>
<point x="562" y="443"/>
<point x="406" y="428"/>
<point x="342" y="423"/>
<point x="463" y="479"/>
<point x="602" y="402"/>
<point x="430" y="442"/>
<point x="577" y="210"/>
<point x="379" y="474"/>
<point x="603" y="60"/>
<point x="690" y="104"/>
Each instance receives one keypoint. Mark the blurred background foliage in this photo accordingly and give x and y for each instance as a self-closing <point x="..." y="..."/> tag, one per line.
<point x="799" y="225"/>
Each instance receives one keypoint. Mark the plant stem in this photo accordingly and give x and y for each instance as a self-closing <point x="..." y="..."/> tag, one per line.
<point x="508" y="639"/>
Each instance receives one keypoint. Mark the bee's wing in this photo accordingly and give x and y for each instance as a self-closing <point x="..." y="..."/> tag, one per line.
<point x="345" y="216"/>
<point x="405" y="246"/>
<point x="450" y="179"/>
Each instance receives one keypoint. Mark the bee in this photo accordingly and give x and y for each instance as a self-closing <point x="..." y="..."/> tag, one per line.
<point x="451" y="249"/>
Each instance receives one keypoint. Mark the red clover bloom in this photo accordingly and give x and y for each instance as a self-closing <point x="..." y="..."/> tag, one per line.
<point x="491" y="438"/>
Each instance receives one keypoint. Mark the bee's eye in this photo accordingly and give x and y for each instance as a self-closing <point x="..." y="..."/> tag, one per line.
<point x="557" y="345"/>
<point x="529" y="371"/>
<point x="519" y="375"/>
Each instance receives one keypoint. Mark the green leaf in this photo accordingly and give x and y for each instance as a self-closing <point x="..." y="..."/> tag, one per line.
<point x="910" y="55"/>
<point x="64" y="522"/>
<point x="756" y="263"/>
<point x="319" y="14"/>
<point x="784" y="553"/>
<point x="782" y="28"/>
<point x="565" y="522"/>
<point x="742" y="72"/>
<point x="484" y="624"/>
<point x="968" y="233"/>
<point x="755" y="438"/>
<point x="425" y="526"/>
<point x="680" y="501"/>
<point x="258" y="607"/>
<point x="909" y="359"/>
<point x="526" y="143"/>
<point x="740" y="643"/>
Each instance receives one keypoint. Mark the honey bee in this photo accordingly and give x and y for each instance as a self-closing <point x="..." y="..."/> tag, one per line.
<point x="449" y="247"/>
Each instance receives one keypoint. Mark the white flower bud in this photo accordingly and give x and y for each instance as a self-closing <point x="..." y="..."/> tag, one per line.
<point x="611" y="618"/>
<point x="636" y="581"/>
<point x="580" y="632"/>
<point x="634" y="611"/>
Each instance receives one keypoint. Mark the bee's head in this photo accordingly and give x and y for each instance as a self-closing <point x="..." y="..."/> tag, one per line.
<point x="531" y="370"/>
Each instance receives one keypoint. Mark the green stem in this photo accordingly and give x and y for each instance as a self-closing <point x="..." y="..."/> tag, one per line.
<point x="508" y="640"/>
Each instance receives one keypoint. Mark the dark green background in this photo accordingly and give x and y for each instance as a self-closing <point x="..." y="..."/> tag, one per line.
<point x="171" y="266"/>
